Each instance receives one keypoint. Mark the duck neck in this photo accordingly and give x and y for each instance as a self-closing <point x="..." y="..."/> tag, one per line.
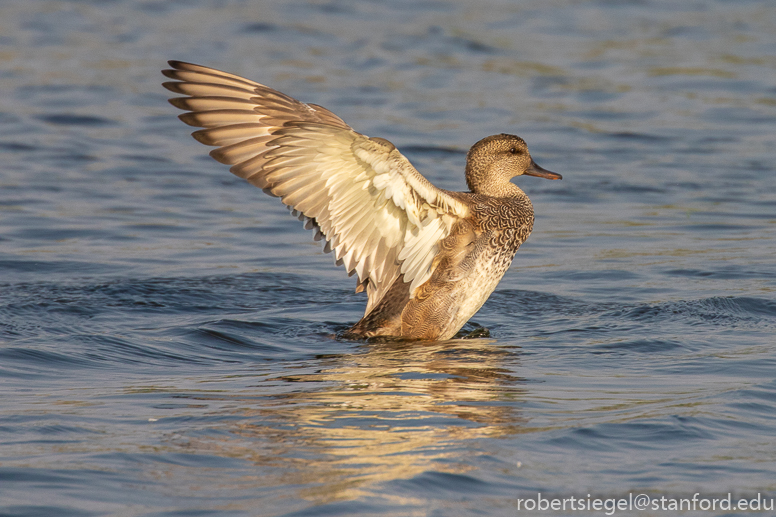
<point x="492" y="187"/>
<point x="506" y="189"/>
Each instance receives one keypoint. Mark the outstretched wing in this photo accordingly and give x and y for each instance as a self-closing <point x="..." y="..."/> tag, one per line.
<point x="381" y="218"/>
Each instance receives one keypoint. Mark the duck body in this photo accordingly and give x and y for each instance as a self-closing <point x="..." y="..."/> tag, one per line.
<point x="470" y="264"/>
<point x="427" y="258"/>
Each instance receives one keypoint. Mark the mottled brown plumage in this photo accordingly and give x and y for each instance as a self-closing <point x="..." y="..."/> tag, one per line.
<point x="427" y="258"/>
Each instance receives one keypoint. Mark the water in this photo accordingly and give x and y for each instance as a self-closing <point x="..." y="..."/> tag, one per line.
<point x="166" y="330"/>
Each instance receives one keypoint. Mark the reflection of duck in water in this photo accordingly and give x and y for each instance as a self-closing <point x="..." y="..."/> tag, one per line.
<point x="341" y="425"/>
<point x="427" y="258"/>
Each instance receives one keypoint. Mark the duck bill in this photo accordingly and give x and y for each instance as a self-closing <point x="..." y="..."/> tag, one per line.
<point x="535" y="170"/>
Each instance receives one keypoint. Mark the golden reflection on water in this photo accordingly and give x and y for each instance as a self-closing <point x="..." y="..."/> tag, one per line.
<point x="392" y="411"/>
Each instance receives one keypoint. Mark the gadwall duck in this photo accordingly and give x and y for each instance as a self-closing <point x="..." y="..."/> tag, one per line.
<point x="427" y="258"/>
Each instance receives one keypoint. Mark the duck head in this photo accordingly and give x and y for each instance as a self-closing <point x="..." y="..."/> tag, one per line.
<point x="495" y="160"/>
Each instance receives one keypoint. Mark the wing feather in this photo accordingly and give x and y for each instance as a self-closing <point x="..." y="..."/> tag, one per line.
<point x="226" y="135"/>
<point x="381" y="218"/>
<point x="241" y="151"/>
<point x="207" y="103"/>
<point x="220" y="117"/>
<point x="210" y="89"/>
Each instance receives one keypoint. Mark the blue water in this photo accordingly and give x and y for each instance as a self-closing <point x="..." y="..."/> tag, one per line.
<point x="167" y="331"/>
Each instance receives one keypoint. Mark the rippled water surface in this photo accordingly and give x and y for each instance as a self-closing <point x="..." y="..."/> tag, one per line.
<point x="167" y="331"/>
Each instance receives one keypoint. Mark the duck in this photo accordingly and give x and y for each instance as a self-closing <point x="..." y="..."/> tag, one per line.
<point x="427" y="258"/>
